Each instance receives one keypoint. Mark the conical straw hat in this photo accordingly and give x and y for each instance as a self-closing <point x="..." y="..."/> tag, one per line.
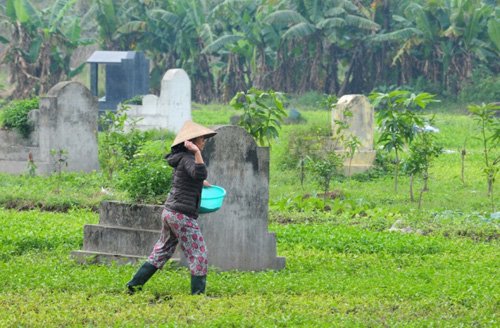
<point x="191" y="130"/>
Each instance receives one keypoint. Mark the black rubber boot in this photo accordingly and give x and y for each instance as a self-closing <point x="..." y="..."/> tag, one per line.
<point x="198" y="284"/>
<point x="141" y="277"/>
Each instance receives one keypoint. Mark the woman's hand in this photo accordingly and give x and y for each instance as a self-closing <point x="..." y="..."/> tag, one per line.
<point x="195" y="150"/>
<point x="191" y="146"/>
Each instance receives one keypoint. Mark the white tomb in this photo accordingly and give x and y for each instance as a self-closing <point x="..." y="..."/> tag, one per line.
<point x="168" y="111"/>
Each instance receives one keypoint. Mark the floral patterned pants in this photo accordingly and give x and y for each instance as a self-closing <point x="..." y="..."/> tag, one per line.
<point x="179" y="227"/>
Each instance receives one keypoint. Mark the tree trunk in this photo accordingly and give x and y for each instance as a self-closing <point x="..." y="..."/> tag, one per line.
<point x="316" y="69"/>
<point x="412" y="198"/>
<point x="426" y="179"/>
<point x="332" y="79"/>
<point x="260" y="76"/>
<point x="347" y="76"/>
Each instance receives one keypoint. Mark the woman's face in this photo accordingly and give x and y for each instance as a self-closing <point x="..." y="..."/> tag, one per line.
<point x="200" y="142"/>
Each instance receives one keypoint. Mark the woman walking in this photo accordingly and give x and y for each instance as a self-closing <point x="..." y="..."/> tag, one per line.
<point x="179" y="217"/>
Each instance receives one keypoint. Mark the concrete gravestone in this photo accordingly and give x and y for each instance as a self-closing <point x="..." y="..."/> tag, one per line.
<point x="237" y="237"/>
<point x="171" y="109"/>
<point x="361" y="125"/>
<point x="67" y="121"/>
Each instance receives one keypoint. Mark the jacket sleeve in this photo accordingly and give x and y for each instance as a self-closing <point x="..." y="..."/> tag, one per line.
<point x="195" y="171"/>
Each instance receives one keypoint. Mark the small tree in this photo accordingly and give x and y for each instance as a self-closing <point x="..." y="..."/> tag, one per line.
<point x="59" y="161"/>
<point x="399" y="120"/>
<point x="489" y="135"/>
<point x="263" y="113"/>
<point x="463" y="153"/>
<point x="422" y="151"/>
<point x="31" y="165"/>
<point x="117" y="147"/>
<point x="325" y="168"/>
<point x="351" y="145"/>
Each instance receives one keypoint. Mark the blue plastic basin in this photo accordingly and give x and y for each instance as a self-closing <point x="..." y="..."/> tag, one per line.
<point x="211" y="198"/>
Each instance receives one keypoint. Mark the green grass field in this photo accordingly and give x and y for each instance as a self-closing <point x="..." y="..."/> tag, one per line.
<point x="344" y="267"/>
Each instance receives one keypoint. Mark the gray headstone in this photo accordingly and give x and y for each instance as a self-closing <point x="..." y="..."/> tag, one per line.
<point x="68" y="121"/>
<point x="237" y="235"/>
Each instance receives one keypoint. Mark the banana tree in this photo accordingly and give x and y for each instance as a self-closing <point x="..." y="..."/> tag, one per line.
<point x="173" y="34"/>
<point x="39" y="45"/>
<point x="246" y="46"/>
<point x="443" y="41"/>
<point x="325" y="30"/>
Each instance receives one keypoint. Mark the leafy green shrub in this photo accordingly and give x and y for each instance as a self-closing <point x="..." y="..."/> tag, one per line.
<point x="134" y="159"/>
<point x="263" y="113"/>
<point x="301" y="144"/>
<point x="147" y="178"/>
<point x="325" y="168"/>
<point x="116" y="146"/>
<point x="15" y="115"/>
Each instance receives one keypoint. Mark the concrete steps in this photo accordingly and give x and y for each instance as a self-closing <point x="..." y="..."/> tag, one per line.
<point x="130" y="216"/>
<point x="108" y="239"/>
<point x="126" y="233"/>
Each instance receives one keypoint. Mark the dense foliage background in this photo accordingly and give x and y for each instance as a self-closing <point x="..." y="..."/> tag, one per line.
<point x="333" y="47"/>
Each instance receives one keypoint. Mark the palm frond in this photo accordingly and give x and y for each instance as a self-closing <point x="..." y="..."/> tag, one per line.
<point x="106" y="16"/>
<point x="206" y="33"/>
<point x="165" y="16"/>
<point x="361" y="22"/>
<point x="331" y="23"/>
<point x="398" y="36"/>
<point x="419" y="15"/>
<point x="298" y="31"/>
<point x="58" y="11"/>
<point x="494" y="32"/>
<point x="284" y="18"/>
<point x="400" y="19"/>
<point x="335" y="11"/>
<point x="222" y="42"/>
<point x="21" y="10"/>
<point x="75" y="30"/>
<point x="349" y="6"/>
<point x="226" y="4"/>
<point x="314" y="9"/>
<point x="131" y="27"/>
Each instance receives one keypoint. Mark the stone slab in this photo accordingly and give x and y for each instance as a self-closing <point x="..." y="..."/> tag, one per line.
<point x="130" y="216"/>
<point x="108" y="239"/>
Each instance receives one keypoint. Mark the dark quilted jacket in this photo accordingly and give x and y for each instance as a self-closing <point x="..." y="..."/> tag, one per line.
<point x="187" y="182"/>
